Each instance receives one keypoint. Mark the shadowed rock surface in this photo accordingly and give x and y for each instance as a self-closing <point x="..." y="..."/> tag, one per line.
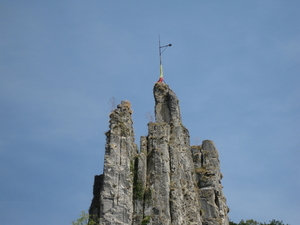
<point x="167" y="182"/>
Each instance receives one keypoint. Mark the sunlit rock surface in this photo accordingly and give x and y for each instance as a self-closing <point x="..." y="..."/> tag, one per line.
<point x="167" y="181"/>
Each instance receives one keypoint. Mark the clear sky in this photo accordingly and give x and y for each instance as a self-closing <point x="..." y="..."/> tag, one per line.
<point x="234" y="65"/>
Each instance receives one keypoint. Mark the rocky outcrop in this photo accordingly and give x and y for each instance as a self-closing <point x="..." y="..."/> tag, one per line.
<point x="116" y="184"/>
<point x="207" y="176"/>
<point x="167" y="181"/>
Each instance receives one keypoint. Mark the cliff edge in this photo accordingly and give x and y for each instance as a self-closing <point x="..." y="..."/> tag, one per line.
<point x="167" y="181"/>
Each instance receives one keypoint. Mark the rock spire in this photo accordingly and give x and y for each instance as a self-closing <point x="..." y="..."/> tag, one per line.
<point x="167" y="182"/>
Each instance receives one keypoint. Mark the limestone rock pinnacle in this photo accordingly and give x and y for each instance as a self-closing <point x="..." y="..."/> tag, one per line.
<point x="167" y="181"/>
<point x="166" y="104"/>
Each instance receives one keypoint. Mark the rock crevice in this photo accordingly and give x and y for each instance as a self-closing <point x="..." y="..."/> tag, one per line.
<point x="167" y="181"/>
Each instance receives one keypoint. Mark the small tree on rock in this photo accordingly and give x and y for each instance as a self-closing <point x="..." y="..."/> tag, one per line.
<point x="84" y="219"/>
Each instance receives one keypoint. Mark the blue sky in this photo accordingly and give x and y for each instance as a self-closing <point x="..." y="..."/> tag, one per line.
<point x="234" y="65"/>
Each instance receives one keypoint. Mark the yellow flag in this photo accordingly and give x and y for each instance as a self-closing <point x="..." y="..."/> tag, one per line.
<point x="161" y="71"/>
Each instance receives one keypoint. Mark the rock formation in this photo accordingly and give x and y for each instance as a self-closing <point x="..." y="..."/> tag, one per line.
<point x="167" y="182"/>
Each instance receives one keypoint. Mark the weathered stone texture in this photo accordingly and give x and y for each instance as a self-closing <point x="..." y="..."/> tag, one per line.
<point x="116" y="205"/>
<point x="158" y="173"/>
<point x="94" y="210"/>
<point x="168" y="182"/>
<point x="140" y="182"/>
<point x="184" y="202"/>
<point x="208" y="182"/>
<point x="166" y="105"/>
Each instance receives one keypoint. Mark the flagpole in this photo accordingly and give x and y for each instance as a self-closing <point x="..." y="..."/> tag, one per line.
<point x="161" y="79"/>
<point x="159" y="48"/>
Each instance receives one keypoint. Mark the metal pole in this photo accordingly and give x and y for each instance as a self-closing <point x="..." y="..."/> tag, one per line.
<point x="160" y="53"/>
<point x="159" y="50"/>
<point x="164" y="48"/>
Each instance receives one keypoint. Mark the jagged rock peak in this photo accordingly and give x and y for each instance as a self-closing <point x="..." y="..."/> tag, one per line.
<point x="166" y="104"/>
<point x="168" y="182"/>
<point x="114" y="203"/>
<point x="121" y="120"/>
<point x="207" y="176"/>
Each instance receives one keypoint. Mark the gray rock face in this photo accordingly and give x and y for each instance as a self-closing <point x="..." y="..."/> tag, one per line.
<point x="115" y="203"/>
<point x="168" y="182"/>
<point x="208" y="177"/>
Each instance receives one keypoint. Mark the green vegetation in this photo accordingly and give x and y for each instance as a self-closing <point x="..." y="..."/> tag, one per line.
<point x="84" y="219"/>
<point x="253" y="222"/>
<point x="146" y="220"/>
<point x="138" y="190"/>
<point x="148" y="195"/>
<point x="132" y="165"/>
